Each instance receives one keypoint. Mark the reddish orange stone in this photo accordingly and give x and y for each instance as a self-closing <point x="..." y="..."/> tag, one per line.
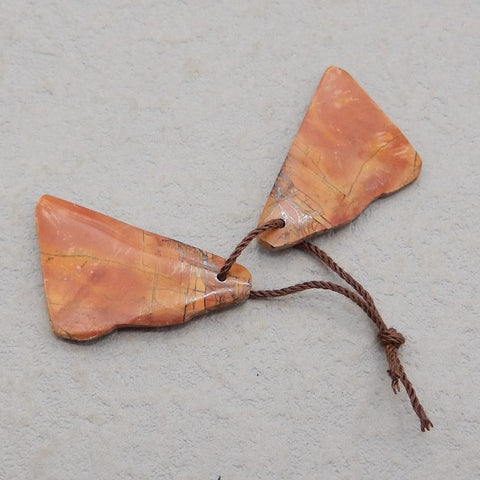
<point x="346" y="154"/>
<point x="101" y="274"/>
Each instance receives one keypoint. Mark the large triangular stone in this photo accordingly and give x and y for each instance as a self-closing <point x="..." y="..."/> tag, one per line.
<point x="346" y="154"/>
<point x="101" y="274"/>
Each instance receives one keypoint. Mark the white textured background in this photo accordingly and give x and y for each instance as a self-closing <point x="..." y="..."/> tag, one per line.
<point x="176" y="117"/>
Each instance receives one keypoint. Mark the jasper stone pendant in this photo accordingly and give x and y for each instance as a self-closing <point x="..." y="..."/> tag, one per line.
<point x="346" y="154"/>
<point x="101" y="274"/>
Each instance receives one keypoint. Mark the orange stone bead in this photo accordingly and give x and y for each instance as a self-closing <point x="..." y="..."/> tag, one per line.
<point x="101" y="274"/>
<point x="346" y="154"/>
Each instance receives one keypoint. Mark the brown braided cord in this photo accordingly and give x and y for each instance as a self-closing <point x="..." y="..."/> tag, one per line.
<point x="276" y="223"/>
<point x="332" y="265"/>
<point x="388" y="337"/>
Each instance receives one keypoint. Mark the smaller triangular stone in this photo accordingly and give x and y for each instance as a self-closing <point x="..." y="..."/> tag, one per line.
<point x="346" y="154"/>
<point x="101" y="274"/>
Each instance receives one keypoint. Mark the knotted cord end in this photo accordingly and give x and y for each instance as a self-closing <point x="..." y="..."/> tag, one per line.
<point x="390" y="336"/>
<point x="392" y="340"/>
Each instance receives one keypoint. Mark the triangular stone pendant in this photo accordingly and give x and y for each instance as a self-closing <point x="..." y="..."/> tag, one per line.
<point x="101" y="274"/>
<point x="346" y="154"/>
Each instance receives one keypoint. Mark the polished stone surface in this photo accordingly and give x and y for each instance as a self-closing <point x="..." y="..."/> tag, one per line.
<point x="346" y="154"/>
<point x="101" y="274"/>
